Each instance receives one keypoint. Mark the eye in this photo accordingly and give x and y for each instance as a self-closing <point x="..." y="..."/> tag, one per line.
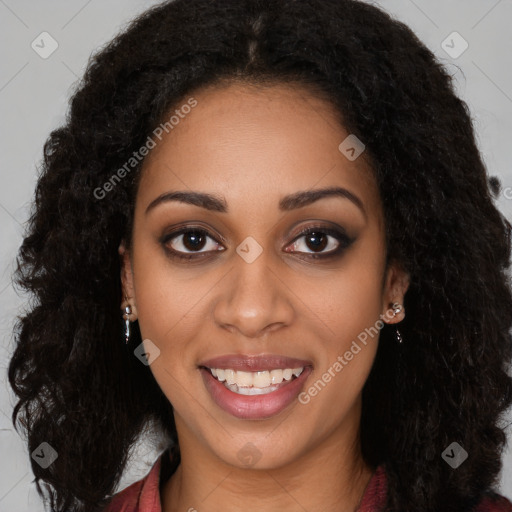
<point x="188" y="242"/>
<point x="316" y="238"/>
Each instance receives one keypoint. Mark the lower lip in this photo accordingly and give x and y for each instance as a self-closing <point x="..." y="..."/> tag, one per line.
<point x="254" y="407"/>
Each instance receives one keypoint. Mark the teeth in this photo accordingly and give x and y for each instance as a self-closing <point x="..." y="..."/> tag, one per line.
<point x="287" y="374"/>
<point x="251" y="390"/>
<point x="276" y="376"/>
<point x="254" y="382"/>
<point x="230" y="376"/>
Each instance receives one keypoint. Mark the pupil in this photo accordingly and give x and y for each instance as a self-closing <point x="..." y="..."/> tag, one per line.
<point x="197" y="239"/>
<point x="318" y="244"/>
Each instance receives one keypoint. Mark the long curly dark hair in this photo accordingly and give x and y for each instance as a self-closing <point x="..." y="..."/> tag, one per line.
<point x="83" y="392"/>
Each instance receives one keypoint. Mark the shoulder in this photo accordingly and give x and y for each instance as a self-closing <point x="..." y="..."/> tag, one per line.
<point x="494" y="503"/>
<point x="141" y="496"/>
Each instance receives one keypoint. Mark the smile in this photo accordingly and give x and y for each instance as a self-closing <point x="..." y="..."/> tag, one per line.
<point x="255" y="383"/>
<point x="254" y="386"/>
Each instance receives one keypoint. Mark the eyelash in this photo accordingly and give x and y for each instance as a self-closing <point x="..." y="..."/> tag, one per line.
<point x="344" y="242"/>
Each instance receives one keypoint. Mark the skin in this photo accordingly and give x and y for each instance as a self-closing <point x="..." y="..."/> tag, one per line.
<point x="252" y="146"/>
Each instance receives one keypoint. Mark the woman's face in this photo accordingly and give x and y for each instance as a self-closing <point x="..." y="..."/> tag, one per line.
<point x="251" y="291"/>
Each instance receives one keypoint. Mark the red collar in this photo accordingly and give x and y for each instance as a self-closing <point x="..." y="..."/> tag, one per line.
<point x="144" y="495"/>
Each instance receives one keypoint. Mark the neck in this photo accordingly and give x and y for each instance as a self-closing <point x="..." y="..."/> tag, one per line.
<point x="331" y="478"/>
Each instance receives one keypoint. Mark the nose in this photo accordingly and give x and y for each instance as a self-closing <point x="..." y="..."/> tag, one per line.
<point x="254" y="299"/>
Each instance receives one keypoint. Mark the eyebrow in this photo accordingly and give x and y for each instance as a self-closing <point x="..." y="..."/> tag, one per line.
<point x="291" y="202"/>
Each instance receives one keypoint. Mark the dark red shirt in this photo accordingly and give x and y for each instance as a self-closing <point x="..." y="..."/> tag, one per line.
<point x="144" y="495"/>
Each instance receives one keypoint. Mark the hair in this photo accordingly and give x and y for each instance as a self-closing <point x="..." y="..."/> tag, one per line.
<point x="80" y="389"/>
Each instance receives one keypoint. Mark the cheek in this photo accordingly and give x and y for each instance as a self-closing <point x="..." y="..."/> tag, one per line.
<point x="350" y="304"/>
<point x="167" y="317"/>
<point x="165" y="306"/>
<point x="351" y="310"/>
<point x="351" y="301"/>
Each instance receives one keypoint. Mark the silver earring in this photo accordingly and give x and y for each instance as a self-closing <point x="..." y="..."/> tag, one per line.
<point x="126" y="316"/>
<point x="396" y="308"/>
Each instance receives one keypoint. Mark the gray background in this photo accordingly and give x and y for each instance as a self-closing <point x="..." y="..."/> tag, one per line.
<point x="33" y="100"/>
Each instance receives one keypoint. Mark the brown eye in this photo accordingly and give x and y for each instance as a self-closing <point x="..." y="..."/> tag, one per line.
<point x="188" y="242"/>
<point x="193" y="240"/>
<point x="317" y="239"/>
<point x="194" y="243"/>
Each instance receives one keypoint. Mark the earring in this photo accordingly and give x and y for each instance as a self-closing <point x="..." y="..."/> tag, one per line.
<point x="126" y="316"/>
<point x="396" y="309"/>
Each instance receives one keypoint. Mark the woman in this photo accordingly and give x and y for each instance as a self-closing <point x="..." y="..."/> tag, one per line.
<point x="247" y="200"/>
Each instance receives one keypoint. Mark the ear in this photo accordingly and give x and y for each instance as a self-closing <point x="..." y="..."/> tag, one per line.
<point x="395" y="286"/>
<point x="127" y="280"/>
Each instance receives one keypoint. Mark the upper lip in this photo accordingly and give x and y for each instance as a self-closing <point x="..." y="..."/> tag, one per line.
<point x="254" y="363"/>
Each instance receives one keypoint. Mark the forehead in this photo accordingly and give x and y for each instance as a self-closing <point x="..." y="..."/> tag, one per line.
<point x="254" y="144"/>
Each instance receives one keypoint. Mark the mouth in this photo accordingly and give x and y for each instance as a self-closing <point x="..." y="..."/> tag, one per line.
<point x="254" y="387"/>
<point x="255" y="383"/>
